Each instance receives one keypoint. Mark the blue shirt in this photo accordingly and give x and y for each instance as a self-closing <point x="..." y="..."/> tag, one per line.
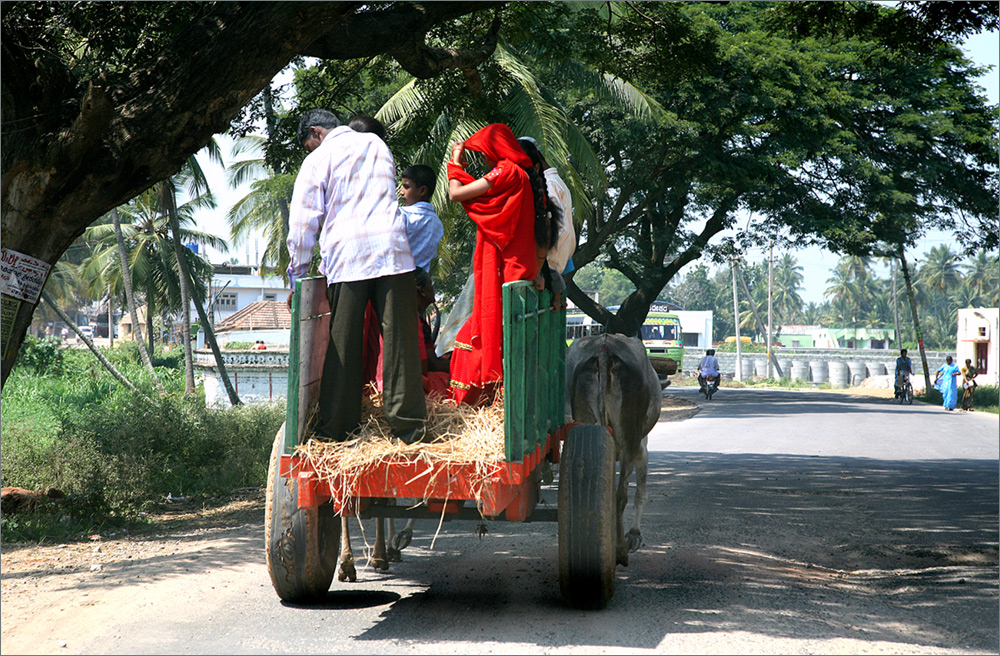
<point x="903" y="364"/>
<point x="424" y="230"/>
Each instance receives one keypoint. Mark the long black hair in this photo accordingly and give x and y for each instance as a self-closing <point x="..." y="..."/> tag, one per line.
<point x="547" y="214"/>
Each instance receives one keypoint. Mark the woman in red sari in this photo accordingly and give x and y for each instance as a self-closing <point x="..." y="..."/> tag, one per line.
<point x="505" y="209"/>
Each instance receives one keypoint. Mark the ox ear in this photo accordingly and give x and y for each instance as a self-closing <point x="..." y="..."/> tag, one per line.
<point x="663" y="366"/>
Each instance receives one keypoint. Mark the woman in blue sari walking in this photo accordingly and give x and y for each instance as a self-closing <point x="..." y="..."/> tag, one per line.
<point x="947" y="383"/>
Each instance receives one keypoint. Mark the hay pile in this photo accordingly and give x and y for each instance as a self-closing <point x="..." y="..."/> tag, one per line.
<point x="456" y="434"/>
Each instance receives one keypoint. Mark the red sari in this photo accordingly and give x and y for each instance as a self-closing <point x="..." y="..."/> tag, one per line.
<point x="505" y="251"/>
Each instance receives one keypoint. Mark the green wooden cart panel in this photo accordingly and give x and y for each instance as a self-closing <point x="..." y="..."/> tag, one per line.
<point x="534" y="365"/>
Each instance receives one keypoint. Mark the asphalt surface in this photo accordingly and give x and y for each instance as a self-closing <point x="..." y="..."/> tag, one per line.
<point x="778" y="523"/>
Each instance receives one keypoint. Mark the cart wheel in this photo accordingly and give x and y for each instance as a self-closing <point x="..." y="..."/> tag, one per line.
<point x="587" y="517"/>
<point x="301" y="544"/>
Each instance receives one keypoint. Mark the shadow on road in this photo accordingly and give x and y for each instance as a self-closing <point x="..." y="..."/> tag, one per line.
<point x="785" y="546"/>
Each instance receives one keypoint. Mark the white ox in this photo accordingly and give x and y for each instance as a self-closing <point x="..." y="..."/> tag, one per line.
<point x="610" y="382"/>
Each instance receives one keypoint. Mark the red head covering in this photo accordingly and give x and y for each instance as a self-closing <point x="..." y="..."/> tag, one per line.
<point x="496" y="141"/>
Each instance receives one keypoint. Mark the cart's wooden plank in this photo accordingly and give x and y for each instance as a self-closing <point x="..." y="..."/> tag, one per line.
<point x="310" y="334"/>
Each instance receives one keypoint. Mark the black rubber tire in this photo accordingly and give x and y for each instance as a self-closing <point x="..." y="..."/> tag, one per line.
<point x="708" y="393"/>
<point x="301" y="545"/>
<point x="909" y="396"/>
<point x="587" y="517"/>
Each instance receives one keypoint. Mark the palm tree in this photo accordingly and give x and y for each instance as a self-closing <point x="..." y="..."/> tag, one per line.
<point x="841" y="291"/>
<point x="193" y="178"/>
<point x="785" y="290"/>
<point x="122" y="251"/>
<point x="940" y="269"/>
<point x="265" y="208"/>
<point x="151" y="260"/>
<point x="982" y="276"/>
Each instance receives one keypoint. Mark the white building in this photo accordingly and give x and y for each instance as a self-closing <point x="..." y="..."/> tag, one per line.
<point x="235" y="287"/>
<point x="979" y="341"/>
<point x="696" y="327"/>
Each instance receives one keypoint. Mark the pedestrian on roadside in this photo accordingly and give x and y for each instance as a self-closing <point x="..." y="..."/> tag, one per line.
<point x="947" y="383"/>
<point x="969" y="385"/>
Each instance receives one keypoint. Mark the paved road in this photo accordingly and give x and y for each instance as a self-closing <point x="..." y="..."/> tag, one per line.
<point x="779" y="522"/>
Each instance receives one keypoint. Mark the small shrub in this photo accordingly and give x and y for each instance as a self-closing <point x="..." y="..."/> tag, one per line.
<point x="114" y="453"/>
<point x="44" y="356"/>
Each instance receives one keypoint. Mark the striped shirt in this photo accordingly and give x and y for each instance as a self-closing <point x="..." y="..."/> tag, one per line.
<point x="345" y="197"/>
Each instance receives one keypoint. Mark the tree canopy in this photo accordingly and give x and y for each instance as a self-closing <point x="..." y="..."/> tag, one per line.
<point x="102" y="100"/>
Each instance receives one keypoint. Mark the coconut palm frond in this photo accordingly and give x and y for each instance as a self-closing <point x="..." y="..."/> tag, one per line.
<point x="403" y="106"/>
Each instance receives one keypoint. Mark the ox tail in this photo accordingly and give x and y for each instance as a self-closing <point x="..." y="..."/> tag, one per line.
<point x="604" y="381"/>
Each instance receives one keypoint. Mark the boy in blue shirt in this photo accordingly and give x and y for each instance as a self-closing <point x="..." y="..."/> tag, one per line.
<point x="423" y="227"/>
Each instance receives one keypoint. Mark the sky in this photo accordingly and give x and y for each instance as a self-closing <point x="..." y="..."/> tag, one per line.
<point x="816" y="263"/>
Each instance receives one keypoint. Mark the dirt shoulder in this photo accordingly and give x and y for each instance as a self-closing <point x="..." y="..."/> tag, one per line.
<point x="59" y="596"/>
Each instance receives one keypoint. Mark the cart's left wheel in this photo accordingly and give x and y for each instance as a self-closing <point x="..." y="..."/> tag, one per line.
<point x="302" y="544"/>
<point x="587" y="517"/>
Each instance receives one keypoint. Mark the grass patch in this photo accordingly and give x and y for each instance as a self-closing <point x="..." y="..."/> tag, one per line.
<point x="115" y="455"/>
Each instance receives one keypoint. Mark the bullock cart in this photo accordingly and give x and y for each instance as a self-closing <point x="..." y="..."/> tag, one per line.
<point x="304" y="509"/>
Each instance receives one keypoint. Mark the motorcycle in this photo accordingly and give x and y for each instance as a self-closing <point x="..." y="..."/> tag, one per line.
<point x="709" y="385"/>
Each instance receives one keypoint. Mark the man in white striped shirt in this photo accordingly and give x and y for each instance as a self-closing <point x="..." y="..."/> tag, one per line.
<point x="345" y="196"/>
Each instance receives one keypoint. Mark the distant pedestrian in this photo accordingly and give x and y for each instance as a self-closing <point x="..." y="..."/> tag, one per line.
<point x="947" y="383"/>
<point x="969" y="385"/>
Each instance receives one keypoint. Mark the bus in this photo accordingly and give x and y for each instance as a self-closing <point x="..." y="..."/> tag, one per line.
<point x="661" y="333"/>
<point x="579" y="324"/>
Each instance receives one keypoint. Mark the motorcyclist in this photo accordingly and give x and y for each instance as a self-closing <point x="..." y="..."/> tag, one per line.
<point x="709" y="366"/>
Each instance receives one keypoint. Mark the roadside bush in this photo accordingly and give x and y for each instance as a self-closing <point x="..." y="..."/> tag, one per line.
<point x="44" y="356"/>
<point x="115" y="454"/>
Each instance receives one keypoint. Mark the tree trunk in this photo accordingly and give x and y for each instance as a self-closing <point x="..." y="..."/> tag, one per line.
<point x="214" y="345"/>
<point x="916" y="317"/>
<point x="150" y="340"/>
<point x="175" y="228"/>
<point x="93" y="349"/>
<point x="895" y="306"/>
<point x="130" y="298"/>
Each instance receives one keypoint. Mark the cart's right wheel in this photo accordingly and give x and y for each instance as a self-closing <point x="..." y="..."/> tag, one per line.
<point x="302" y="544"/>
<point x="587" y="517"/>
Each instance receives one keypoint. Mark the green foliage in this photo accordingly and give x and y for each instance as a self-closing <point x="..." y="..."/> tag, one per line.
<point x="987" y="399"/>
<point x="43" y="356"/>
<point x="235" y="346"/>
<point x="113" y="453"/>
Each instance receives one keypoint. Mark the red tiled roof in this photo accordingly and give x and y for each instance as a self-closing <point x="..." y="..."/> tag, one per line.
<point x="259" y="315"/>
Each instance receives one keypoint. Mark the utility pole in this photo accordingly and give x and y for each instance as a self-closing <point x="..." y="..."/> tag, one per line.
<point x="916" y="317"/>
<point x="895" y="305"/>
<point x="770" y="281"/>
<point x="736" y="322"/>
<point x="760" y="324"/>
